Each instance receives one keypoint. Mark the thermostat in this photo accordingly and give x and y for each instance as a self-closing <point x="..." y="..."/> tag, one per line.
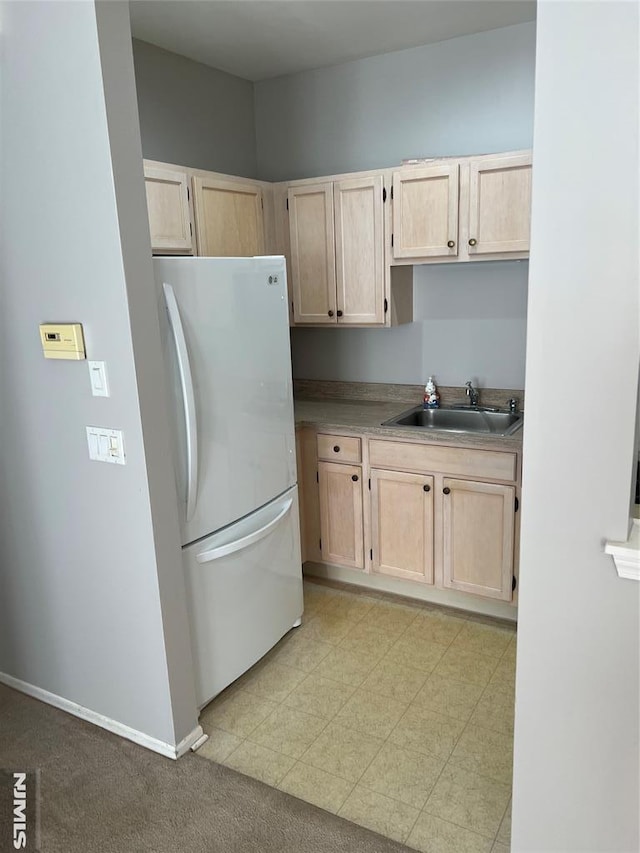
<point x="62" y="340"/>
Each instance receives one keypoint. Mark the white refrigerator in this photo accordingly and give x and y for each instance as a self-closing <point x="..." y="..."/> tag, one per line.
<point x="224" y="324"/>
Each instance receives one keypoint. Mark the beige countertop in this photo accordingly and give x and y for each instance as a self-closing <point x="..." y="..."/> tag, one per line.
<point x="367" y="416"/>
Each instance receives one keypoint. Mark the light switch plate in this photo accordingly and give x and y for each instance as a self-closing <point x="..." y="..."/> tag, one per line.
<point x="98" y="375"/>
<point x="106" y="445"/>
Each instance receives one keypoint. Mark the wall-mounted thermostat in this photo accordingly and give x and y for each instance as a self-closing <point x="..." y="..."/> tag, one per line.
<point x="62" y="340"/>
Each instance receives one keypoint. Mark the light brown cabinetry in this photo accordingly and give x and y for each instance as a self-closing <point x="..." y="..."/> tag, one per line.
<point x="169" y="210"/>
<point x="499" y="205"/>
<point x="341" y="521"/>
<point x="192" y="212"/>
<point x="478" y="522"/>
<point x="313" y="273"/>
<point x="425" y="212"/>
<point x="228" y="217"/>
<point x="337" y="251"/>
<point x="463" y="209"/>
<point x="430" y="513"/>
<point x="402" y="525"/>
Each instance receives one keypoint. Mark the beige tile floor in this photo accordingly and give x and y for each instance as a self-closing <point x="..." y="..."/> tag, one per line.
<point x="396" y="716"/>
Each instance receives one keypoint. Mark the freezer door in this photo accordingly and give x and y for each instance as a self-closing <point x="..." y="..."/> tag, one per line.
<point x="244" y="588"/>
<point x="226" y="338"/>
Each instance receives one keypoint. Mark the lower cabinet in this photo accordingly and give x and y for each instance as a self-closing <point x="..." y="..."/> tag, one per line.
<point x="341" y="522"/>
<point x="402" y="525"/>
<point x="420" y="524"/>
<point x="478" y="520"/>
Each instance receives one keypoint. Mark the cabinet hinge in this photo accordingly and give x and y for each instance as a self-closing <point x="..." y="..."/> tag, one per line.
<point x="188" y="194"/>
<point x="392" y="241"/>
<point x="384" y="194"/>
<point x="514" y="583"/>
<point x="369" y="483"/>
<point x="191" y="229"/>
<point x="320" y="544"/>
<point x="292" y="308"/>
<point x="517" y="504"/>
<point x="392" y="193"/>
<point x="317" y="477"/>
<point x="287" y="204"/>
<point x="261" y="202"/>
<point x="371" y="553"/>
<point x="386" y="305"/>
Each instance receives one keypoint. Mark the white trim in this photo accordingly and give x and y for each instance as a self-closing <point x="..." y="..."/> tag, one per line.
<point x="152" y="743"/>
<point x="626" y="555"/>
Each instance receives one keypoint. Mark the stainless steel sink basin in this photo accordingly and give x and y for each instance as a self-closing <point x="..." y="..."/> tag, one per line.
<point x="461" y="419"/>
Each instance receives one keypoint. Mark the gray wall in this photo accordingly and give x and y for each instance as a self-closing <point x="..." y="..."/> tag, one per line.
<point x="92" y="606"/>
<point x="470" y="323"/>
<point x="194" y="115"/>
<point x="462" y="96"/>
<point x="468" y="95"/>
<point x="577" y="739"/>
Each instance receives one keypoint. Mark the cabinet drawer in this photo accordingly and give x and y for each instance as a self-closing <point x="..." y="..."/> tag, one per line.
<point x="457" y="461"/>
<point x="339" y="448"/>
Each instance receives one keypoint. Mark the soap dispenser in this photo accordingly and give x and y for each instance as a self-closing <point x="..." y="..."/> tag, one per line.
<point x="431" y="396"/>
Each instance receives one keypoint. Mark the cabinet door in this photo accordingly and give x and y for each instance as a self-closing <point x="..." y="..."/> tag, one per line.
<point x="499" y="205"/>
<point x="341" y="514"/>
<point x="312" y="253"/>
<point x="359" y="250"/>
<point x="478" y="537"/>
<point x="425" y="212"/>
<point x="168" y="206"/>
<point x="402" y="525"/>
<point x="228" y="218"/>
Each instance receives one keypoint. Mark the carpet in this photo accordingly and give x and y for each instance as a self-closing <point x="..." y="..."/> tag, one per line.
<point x="103" y="794"/>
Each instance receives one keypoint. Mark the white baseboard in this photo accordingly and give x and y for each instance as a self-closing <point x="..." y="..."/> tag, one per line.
<point x="159" y="746"/>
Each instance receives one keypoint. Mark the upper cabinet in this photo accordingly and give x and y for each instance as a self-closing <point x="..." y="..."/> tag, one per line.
<point x="192" y="212"/>
<point x="337" y="251"/>
<point x="425" y="212"/>
<point x="169" y="210"/>
<point x="464" y="209"/>
<point x="229" y="220"/>
<point x="499" y="205"/>
<point x="312" y="270"/>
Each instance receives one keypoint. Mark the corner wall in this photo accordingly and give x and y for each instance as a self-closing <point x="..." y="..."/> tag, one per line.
<point x="93" y="607"/>
<point x="577" y="732"/>
<point x="194" y="115"/>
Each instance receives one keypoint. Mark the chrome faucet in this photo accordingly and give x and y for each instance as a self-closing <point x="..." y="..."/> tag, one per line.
<point x="512" y="402"/>
<point x="472" y="394"/>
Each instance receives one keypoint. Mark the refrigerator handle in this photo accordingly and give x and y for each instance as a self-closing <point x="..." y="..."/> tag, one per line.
<point x="244" y="541"/>
<point x="188" y="397"/>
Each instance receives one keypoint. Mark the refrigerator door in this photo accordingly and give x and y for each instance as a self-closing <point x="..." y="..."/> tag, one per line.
<point x="244" y="588"/>
<point x="225" y="332"/>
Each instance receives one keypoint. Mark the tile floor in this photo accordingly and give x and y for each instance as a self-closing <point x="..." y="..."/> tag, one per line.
<point x="396" y="716"/>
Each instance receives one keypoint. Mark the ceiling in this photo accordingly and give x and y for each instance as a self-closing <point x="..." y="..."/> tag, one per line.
<point x="258" y="39"/>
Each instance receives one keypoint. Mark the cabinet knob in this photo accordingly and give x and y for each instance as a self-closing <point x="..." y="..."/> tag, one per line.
<point x="339" y="312"/>
<point x="427" y="488"/>
<point x="446" y="490"/>
<point x="451" y="244"/>
<point x="330" y="313"/>
<point x="336" y="448"/>
<point x="354" y="477"/>
<point x="472" y="242"/>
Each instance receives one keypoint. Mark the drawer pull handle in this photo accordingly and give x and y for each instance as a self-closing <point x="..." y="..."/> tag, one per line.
<point x="330" y="313"/>
<point x="336" y="448"/>
<point x="354" y="477"/>
<point x="450" y="244"/>
<point x="427" y="488"/>
<point x="446" y="490"/>
<point x="472" y="242"/>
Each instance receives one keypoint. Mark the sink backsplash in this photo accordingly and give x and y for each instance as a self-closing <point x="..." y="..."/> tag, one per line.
<point x="408" y="395"/>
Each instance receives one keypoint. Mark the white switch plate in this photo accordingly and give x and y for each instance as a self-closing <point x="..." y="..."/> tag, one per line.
<point x="98" y="374"/>
<point x="106" y="445"/>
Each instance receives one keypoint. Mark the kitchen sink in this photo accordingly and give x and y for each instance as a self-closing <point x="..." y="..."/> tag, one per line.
<point x="461" y="419"/>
